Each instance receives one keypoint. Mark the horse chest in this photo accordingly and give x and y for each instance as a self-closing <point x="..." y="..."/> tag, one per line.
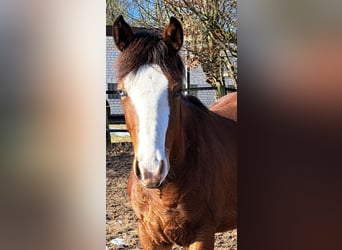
<point x="165" y="220"/>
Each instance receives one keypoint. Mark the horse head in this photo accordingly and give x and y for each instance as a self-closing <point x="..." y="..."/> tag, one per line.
<point x="150" y="80"/>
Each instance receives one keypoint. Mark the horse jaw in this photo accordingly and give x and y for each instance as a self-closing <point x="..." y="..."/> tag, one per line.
<point x="148" y="91"/>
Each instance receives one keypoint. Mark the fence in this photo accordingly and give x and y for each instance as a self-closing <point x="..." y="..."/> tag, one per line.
<point x="205" y="94"/>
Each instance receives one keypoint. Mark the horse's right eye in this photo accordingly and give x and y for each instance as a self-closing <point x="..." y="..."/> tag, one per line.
<point x="122" y="93"/>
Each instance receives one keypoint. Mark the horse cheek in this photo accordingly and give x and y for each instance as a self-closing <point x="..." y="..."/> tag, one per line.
<point x="131" y="122"/>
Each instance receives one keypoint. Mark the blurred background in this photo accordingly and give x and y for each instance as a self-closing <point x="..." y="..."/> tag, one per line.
<point x="52" y="57"/>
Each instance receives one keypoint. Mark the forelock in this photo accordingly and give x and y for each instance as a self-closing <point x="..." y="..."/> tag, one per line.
<point x="148" y="47"/>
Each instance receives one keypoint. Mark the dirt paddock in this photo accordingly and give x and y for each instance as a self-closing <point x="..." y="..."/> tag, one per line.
<point x="121" y="223"/>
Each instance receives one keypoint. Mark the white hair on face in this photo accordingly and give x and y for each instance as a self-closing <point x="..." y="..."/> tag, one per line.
<point x="148" y="91"/>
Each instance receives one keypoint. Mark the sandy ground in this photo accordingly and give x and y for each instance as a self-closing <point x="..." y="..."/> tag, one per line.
<point x="121" y="223"/>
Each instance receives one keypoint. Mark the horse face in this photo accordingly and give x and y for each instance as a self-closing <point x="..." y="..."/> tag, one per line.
<point x="146" y="98"/>
<point x="147" y="115"/>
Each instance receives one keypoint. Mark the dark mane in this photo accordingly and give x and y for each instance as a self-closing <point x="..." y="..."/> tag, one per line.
<point x="148" y="47"/>
<point x="196" y="102"/>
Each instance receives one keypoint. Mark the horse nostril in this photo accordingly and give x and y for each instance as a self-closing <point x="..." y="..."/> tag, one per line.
<point x="137" y="170"/>
<point x="150" y="178"/>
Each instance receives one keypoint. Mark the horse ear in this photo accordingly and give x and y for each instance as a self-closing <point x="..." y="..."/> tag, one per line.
<point x="173" y="34"/>
<point x="122" y="33"/>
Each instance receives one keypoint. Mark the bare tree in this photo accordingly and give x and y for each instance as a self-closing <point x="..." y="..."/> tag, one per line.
<point x="115" y="8"/>
<point x="147" y="13"/>
<point x="150" y="13"/>
<point x="210" y="37"/>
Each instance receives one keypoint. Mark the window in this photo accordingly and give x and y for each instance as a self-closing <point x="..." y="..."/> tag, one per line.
<point x="112" y="87"/>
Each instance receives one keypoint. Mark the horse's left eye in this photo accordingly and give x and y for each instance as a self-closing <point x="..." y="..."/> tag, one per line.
<point x="177" y="93"/>
<point x="122" y="93"/>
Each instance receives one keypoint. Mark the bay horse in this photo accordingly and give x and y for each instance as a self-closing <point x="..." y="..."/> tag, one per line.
<point x="182" y="185"/>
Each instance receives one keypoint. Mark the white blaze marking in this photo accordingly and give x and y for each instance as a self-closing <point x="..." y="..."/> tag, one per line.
<point x="148" y="91"/>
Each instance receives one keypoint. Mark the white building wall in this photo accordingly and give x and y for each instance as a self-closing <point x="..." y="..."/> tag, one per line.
<point x="112" y="53"/>
<point x="197" y="79"/>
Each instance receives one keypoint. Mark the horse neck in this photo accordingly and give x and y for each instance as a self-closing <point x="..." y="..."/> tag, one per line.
<point x="190" y="134"/>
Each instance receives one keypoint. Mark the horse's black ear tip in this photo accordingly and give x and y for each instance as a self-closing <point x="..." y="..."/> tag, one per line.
<point x="174" y="20"/>
<point x="119" y="20"/>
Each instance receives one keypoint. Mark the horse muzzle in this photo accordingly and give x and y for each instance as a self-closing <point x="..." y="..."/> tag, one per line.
<point x="151" y="174"/>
